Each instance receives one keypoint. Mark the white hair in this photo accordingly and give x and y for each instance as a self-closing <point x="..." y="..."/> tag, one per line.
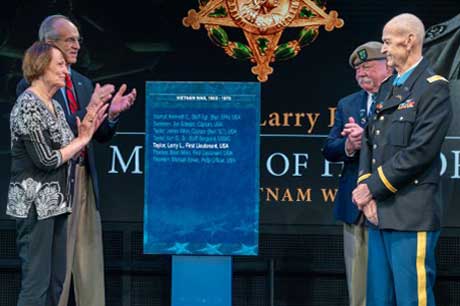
<point x="47" y="29"/>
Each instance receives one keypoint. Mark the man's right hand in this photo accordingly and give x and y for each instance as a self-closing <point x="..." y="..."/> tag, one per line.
<point x="354" y="133"/>
<point x="100" y="96"/>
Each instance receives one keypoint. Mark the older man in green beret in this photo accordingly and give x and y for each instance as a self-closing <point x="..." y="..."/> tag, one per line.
<point x="344" y="144"/>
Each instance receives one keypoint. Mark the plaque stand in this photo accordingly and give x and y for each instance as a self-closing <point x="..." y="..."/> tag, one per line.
<point x="201" y="281"/>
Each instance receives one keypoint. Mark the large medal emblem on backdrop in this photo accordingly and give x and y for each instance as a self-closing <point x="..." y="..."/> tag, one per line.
<point x="263" y="23"/>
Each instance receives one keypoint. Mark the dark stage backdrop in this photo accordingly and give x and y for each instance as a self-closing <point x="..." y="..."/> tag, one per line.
<point x="145" y="41"/>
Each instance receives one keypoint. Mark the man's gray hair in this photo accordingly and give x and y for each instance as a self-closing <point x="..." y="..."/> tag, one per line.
<point x="47" y="29"/>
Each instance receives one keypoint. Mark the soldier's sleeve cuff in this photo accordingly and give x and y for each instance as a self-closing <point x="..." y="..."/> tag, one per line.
<point x="379" y="185"/>
<point x="385" y="181"/>
<point x="363" y="177"/>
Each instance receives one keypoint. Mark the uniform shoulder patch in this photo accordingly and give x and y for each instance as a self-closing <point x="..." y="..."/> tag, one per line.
<point x="436" y="78"/>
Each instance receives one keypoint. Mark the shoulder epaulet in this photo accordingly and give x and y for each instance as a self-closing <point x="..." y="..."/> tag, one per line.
<point x="435" y="78"/>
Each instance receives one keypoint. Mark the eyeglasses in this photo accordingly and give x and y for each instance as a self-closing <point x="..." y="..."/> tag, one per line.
<point x="72" y="40"/>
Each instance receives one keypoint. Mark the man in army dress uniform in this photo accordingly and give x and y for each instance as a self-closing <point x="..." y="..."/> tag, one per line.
<point x="399" y="170"/>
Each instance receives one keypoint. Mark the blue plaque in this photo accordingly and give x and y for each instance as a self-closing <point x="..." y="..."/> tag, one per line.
<point x="202" y="168"/>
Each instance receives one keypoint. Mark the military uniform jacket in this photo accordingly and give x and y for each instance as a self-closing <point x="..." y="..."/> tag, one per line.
<point x="399" y="158"/>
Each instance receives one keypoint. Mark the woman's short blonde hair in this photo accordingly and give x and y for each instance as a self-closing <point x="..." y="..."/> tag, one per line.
<point x="37" y="59"/>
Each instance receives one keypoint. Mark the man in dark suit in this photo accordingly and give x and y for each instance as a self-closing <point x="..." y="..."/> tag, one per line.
<point x="399" y="171"/>
<point x="85" y="258"/>
<point x="343" y="144"/>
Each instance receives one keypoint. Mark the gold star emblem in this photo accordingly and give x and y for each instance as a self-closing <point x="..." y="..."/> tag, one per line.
<point x="263" y="23"/>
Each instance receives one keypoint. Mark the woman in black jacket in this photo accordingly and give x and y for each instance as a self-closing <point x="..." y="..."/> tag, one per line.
<point x="42" y="146"/>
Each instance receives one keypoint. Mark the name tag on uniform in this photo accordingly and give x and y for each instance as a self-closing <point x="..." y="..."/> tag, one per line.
<point x="407" y="104"/>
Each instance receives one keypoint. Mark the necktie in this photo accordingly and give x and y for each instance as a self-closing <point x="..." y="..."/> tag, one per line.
<point x="73" y="105"/>
<point x="372" y="107"/>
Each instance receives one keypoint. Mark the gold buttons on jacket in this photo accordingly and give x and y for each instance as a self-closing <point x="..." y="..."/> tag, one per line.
<point x="381" y="118"/>
<point x="373" y="161"/>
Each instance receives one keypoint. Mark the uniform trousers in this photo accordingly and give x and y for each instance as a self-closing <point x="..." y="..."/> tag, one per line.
<point x="401" y="268"/>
